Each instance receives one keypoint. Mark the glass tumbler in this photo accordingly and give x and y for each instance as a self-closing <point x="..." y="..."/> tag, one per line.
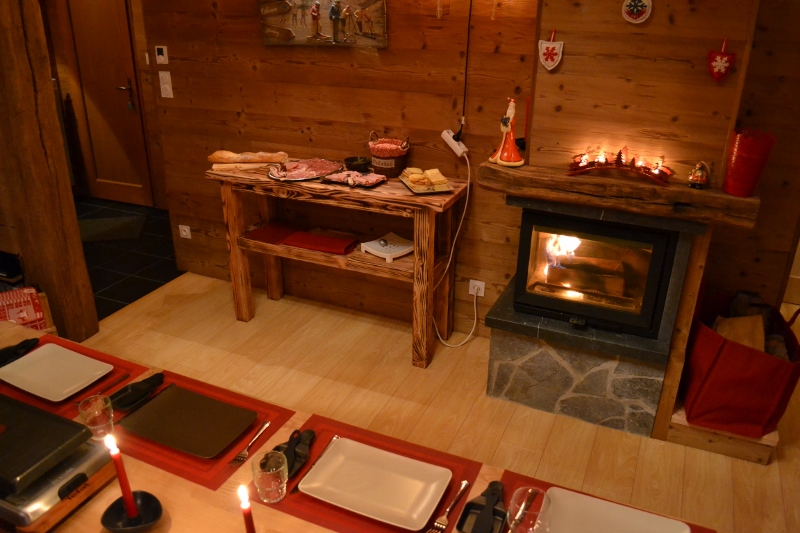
<point x="270" y="474"/>
<point x="96" y="412"/>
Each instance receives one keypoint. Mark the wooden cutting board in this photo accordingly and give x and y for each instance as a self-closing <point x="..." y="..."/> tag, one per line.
<point x="746" y="330"/>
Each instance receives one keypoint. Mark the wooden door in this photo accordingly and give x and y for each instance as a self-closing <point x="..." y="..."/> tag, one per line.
<point x="110" y="94"/>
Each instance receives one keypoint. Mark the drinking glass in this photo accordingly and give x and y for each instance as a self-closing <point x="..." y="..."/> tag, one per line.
<point x="98" y="415"/>
<point x="270" y="474"/>
<point x="523" y="514"/>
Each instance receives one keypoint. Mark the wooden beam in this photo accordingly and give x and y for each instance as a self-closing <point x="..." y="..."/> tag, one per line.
<point x="35" y="172"/>
<point x="632" y="195"/>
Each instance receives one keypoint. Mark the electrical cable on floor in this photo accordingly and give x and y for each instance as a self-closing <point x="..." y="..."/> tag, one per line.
<point x="450" y="258"/>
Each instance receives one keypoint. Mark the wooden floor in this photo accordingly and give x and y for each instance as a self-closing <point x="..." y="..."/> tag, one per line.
<point x="357" y="368"/>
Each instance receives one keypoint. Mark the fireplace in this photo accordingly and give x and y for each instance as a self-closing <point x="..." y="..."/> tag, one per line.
<point x="585" y="327"/>
<point x="595" y="273"/>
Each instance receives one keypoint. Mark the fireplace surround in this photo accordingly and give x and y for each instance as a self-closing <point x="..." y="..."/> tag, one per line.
<point x="580" y="360"/>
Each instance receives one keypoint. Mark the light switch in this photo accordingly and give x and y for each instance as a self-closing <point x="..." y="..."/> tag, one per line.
<point x="161" y="55"/>
<point x="165" y="80"/>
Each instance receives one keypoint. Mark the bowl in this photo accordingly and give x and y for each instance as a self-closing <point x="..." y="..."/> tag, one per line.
<point x="357" y="163"/>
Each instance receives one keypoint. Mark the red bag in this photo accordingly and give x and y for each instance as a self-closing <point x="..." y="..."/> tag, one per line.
<point x="737" y="389"/>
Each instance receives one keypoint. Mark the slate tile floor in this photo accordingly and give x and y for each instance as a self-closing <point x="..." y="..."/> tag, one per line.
<point x="122" y="271"/>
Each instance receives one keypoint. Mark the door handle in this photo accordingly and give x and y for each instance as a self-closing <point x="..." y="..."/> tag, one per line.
<point x="129" y="88"/>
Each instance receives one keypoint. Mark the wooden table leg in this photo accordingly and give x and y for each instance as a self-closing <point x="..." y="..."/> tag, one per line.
<point x="423" y="336"/>
<point x="444" y="292"/>
<point x="239" y="265"/>
<point x="272" y="263"/>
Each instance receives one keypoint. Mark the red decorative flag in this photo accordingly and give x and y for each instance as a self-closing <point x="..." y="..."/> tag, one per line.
<point x="720" y="63"/>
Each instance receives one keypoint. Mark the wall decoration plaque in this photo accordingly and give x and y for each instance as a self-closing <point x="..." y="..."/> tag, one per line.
<point x="336" y="23"/>
<point x="636" y="11"/>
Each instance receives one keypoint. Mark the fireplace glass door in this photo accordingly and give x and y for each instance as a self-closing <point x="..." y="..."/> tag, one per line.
<point x="594" y="272"/>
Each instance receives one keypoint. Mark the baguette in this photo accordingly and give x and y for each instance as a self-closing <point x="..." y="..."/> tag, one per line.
<point x="224" y="156"/>
<point x="238" y="166"/>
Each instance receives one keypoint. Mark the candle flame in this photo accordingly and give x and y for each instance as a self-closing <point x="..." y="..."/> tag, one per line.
<point x="244" y="496"/>
<point x="111" y="443"/>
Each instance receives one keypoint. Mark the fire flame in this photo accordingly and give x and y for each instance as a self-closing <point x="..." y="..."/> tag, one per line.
<point x="560" y="246"/>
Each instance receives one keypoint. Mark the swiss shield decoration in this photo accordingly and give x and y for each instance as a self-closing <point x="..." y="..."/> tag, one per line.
<point x="550" y="51"/>
<point x="636" y="11"/>
<point x="720" y="63"/>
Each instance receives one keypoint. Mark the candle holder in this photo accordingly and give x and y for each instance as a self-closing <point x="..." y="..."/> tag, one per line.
<point x="656" y="173"/>
<point x="116" y="519"/>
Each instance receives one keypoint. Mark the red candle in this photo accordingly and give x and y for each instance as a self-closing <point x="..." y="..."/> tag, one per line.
<point x="124" y="484"/>
<point x="249" y="526"/>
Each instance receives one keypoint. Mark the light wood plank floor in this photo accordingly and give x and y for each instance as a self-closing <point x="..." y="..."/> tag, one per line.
<point x="357" y="368"/>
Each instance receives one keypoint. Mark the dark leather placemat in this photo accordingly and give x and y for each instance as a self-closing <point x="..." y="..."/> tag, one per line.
<point x="189" y="421"/>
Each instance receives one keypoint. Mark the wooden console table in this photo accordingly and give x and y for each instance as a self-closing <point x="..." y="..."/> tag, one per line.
<point x="435" y="225"/>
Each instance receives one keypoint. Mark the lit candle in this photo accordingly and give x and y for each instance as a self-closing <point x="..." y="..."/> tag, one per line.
<point x="124" y="484"/>
<point x="249" y="526"/>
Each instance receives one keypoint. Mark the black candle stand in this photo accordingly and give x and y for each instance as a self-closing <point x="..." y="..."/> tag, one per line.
<point x="115" y="518"/>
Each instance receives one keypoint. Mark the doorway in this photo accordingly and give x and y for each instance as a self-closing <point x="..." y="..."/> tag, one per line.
<point x="116" y="166"/>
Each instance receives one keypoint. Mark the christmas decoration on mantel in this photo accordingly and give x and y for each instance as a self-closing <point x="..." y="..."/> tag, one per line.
<point x="550" y="51"/>
<point x="720" y="63"/>
<point x="656" y="172"/>
<point x="636" y="11"/>
<point x="507" y="154"/>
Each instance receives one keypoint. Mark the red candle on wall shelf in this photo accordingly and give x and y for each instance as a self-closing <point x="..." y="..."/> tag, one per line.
<point x="122" y="476"/>
<point x="249" y="526"/>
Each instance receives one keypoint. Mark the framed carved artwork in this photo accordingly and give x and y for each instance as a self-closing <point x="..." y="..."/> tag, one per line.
<point x="338" y="23"/>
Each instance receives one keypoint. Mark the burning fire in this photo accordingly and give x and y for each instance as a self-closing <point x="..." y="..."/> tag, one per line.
<point x="559" y="247"/>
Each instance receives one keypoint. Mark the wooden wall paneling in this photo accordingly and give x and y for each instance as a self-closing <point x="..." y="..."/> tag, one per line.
<point x="760" y="260"/>
<point x="641" y="86"/>
<point x="35" y="169"/>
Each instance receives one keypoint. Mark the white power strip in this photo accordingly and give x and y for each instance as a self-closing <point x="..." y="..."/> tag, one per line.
<point x="457" y="146"/>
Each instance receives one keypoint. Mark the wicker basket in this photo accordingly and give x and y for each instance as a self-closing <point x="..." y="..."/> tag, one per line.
<point x="388" y="155"/>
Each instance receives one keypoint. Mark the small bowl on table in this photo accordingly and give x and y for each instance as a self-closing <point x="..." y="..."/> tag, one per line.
<point x="357" y="163"/>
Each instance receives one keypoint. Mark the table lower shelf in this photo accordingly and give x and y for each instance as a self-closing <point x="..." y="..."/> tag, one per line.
<point x="401" y="268"/>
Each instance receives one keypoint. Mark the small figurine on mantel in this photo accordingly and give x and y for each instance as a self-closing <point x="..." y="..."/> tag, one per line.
<point x="507" y="154"/>
<point x="698" y="179"/>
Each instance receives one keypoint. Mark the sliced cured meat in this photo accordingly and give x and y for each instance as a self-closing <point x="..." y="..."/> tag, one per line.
<point x="353" y="178"/>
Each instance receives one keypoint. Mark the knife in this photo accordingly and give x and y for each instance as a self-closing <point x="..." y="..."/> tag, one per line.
<point x="484" y="523"/>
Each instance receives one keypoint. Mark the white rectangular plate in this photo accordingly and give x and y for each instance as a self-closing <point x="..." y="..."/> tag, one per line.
<point x="382" y="485"/>
<point x="53" y="372"/>
<point x="570" y="512"/>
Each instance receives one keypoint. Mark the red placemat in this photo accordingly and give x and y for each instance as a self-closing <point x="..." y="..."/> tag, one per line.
<point x="68" y="408"/>
<point x="210" y="473"/>
<point x="512" y="481"/>
<point x="324" y="514"/>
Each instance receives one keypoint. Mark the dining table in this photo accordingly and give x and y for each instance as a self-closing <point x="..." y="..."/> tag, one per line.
<point x="197" y="501"/>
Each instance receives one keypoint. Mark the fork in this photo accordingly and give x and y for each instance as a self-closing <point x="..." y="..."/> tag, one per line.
<point x="241" y="457"/>
<point x="441" y="522"/>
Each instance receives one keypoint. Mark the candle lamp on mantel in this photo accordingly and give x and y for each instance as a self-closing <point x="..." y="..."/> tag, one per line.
<point x="657" y="172"/>
<point x="135" y="510"/>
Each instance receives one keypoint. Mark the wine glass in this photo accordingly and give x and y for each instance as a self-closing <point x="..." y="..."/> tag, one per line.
<point x="523" y="514"/>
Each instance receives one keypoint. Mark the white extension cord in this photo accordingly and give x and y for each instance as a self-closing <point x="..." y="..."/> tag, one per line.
<point x="463" y="153"/>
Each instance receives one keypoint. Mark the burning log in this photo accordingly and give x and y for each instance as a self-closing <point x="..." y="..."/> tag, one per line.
<point x="589" y="274"/>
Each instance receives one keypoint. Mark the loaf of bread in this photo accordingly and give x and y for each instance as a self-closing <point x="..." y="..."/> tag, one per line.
<point x="238" y="166"/>
<point x="224" y="156"/>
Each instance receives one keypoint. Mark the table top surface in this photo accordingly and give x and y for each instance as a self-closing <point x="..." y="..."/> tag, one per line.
<point x="189" y="507"/>
<point x="392" y="191"/>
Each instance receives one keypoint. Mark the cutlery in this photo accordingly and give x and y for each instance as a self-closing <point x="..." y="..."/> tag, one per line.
<point x="441" y="522"/>
<point x="297" y="487"/>
<point x="109" y="386"/>
<point x="241" y="457"/>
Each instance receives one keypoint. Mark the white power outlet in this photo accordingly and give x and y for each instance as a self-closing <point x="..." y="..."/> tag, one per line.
<point x="476" y="287"/>
<point x="185" y="231"/>
<point x="165" y="81"/>
<point x="457" y="146"/>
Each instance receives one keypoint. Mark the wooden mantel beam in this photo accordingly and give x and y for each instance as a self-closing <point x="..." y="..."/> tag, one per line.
<point x="612" y="191"/>
<point x="35" y="174"/>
